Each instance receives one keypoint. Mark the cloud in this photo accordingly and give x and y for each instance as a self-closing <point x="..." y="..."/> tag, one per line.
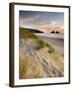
<point x="44" y="25"/>
<point x="50" y="26"/>
<point x="28" y="20"/>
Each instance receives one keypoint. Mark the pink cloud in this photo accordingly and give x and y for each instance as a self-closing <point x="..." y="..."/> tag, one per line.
<point x="50" y="26"/>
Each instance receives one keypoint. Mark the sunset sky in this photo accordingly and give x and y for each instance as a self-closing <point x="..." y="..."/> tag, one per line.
<point x="44" y="21"/>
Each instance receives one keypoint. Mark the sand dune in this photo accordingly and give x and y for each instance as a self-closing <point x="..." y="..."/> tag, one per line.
<point x="39" y="63"/>
<point x="38" y="57"/>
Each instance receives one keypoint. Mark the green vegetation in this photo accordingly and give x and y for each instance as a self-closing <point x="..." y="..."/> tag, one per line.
<point x="26" y="34"/>
<point x="40" y="44"/>
<point x="50" y="49"/>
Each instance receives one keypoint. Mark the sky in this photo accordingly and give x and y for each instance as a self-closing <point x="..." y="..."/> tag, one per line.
<point x="43" y="21"/>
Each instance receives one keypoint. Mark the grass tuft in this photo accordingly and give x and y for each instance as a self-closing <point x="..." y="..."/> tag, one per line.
<point x="26" y="34"/>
